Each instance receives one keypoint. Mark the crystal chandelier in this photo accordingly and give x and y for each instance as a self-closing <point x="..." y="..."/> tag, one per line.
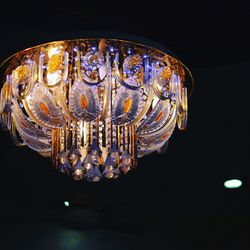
<point x="94" y="105"/>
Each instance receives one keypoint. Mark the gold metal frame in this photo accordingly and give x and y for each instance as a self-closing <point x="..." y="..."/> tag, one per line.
<point x="115" y="40"/>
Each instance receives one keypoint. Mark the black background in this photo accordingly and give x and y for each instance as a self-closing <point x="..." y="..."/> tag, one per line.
<point x="174" y="201"/>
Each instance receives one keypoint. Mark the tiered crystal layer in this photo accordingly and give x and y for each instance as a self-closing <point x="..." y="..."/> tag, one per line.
<point x="93" y="105"/>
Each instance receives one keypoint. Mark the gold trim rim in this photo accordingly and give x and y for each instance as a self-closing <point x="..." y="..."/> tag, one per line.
<point x="113" y="39"/>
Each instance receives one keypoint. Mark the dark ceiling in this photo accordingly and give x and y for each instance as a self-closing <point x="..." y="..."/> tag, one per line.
<point x="172" y="201"/>
<point x="203" y="33"/>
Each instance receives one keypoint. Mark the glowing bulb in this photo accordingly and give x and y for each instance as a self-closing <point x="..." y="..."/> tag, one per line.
<point x="53" y="78"/>
<point x="52" y="51"/>
<point x="66" y="203"/>
<point x="234" y="183"/>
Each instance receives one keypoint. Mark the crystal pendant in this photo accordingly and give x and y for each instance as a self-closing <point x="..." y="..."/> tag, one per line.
<point x="93" y="174"/>
<point x="124" y="168"/>
<point x="88" y="162"/>
<point x="126" y="163"/>
<point x="74" y="155"/>
<point x="109" y="167"/>
<point x="116" y="173"/>
<point x="64" y="164"/>
<point x="95" y="153"/>
<point x="114" y="154"/>
<point x="95" y="149"/>
<point x="78" y="173"/>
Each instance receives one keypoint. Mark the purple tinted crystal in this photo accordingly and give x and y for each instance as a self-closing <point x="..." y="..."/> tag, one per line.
<point x="65" y="167"/>
<point x="93" y="174"/>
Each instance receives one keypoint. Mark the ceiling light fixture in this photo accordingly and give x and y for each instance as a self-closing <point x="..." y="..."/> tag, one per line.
<point x="94" y="105"/>
<point x="234" y="183"/>
<point x="66" y="203"/>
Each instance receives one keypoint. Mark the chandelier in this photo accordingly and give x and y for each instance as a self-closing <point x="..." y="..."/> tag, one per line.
<point x="94" y="105"/>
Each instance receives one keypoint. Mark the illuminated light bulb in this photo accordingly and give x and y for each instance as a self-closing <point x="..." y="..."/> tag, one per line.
<point x="66" y="203"/>
<point x="233" y="183"/>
